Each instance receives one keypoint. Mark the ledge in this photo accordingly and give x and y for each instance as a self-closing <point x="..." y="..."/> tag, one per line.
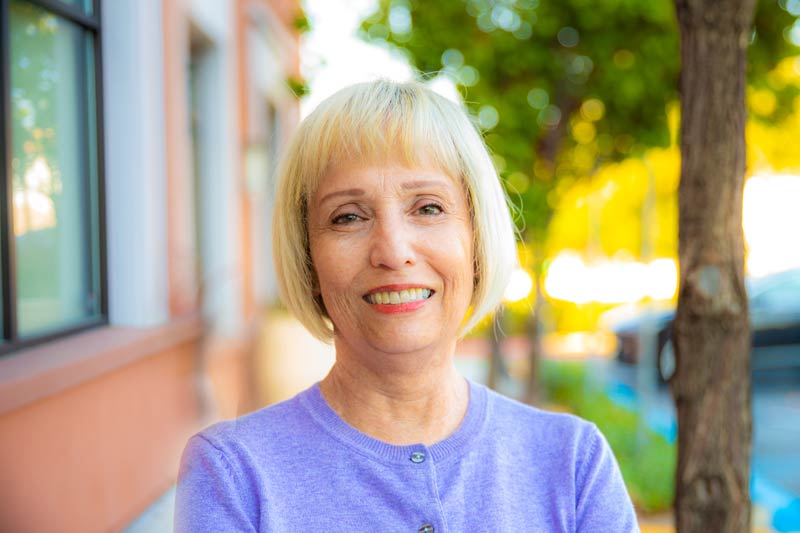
<point x="36" y="373"/>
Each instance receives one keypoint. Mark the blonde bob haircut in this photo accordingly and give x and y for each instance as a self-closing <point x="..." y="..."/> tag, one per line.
<point x="368" y="122"/>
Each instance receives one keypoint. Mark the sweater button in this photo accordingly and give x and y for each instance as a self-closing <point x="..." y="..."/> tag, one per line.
<point x="418" y="457"/>
<point x="427" y="528"/>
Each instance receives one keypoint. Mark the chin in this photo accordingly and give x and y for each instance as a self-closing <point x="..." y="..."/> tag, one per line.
<point x="407" y="341"/>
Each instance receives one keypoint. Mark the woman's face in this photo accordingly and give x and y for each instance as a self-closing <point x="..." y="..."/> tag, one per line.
<point x="392" y="250"/>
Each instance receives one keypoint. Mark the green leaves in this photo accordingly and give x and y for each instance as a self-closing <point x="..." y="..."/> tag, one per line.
<point x="535" y="63"/>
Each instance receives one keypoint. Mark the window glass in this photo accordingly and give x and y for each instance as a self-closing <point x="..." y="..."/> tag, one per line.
<point x="85" y="5"/>
<point x="53" y="172"/>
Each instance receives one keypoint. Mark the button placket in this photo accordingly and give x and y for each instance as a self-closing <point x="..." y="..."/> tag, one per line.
<point x="417" y="457"/>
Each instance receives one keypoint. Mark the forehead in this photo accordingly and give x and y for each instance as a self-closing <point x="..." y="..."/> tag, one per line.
<point x="389" y="174"/>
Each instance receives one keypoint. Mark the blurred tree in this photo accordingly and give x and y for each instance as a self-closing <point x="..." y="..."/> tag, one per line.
<point x="712" y="332"/>
<point x="561" y="87"/>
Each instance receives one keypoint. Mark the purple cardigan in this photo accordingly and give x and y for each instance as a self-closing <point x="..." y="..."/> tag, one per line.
<point x="298" y="467"/>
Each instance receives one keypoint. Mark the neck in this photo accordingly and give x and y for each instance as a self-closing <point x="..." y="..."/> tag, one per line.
<point x="403" y="403"/>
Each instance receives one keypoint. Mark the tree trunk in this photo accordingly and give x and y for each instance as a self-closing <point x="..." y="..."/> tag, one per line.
<point x="497" y="366"/>
<point x="533" y="382"/>
<point x="712" y="336"/>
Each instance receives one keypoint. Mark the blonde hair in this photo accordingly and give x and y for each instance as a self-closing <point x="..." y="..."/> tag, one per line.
<point x="366" y="122"/>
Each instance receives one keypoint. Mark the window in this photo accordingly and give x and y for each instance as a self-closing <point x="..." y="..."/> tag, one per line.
<point x="51" y="208"/>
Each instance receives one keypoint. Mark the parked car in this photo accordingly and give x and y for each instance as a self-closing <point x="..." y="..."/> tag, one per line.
<point x="774" y="318"/>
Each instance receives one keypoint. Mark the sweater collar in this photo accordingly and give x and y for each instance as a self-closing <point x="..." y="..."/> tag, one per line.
<point x="452" y="446"/>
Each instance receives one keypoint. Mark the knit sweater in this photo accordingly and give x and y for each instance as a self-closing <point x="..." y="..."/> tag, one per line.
<point x="298" y="467"/>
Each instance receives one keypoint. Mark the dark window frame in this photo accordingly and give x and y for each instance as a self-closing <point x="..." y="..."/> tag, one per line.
<point x="10" y="340"/>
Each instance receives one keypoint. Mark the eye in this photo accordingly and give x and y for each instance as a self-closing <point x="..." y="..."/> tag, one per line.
<point x="430" y="209"/>
<point x="347" y="218"/>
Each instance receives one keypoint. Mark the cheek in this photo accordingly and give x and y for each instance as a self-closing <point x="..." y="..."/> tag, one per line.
<point x="458" y="261"/>
<point x="329" y="275"/>
<point x="331" y="263"/>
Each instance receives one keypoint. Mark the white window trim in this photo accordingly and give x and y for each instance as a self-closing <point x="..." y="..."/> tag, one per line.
<point x="135" y="163"/>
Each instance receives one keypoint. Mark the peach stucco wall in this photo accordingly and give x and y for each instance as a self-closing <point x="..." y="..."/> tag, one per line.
<point x="92" y="426"/>
<point x="93" y="456"/>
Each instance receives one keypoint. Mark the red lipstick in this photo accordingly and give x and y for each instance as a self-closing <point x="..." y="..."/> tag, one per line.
<point x="391" y="309"/>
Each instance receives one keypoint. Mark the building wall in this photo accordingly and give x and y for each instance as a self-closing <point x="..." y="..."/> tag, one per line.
<point x="93" y="424"/>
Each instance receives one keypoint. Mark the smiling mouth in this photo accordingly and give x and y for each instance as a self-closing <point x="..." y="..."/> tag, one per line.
<point x="398" y="297"/>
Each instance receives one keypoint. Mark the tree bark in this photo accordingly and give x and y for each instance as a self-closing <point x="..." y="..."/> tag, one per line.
<point x="496" y="361"/>
<point x="711" y="385"/>
<point x="533" y="382"/>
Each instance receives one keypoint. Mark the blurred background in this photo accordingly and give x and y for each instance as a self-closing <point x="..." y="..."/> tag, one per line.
<point x="139" y="141"/>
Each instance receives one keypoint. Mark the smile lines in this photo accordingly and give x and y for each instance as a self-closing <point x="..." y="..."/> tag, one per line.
<point x="398" y="297"/>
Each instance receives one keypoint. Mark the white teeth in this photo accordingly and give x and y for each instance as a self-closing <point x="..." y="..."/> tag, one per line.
<point x="399" y="297"/>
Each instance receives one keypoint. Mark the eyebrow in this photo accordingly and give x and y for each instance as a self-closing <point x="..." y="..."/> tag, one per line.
<point x="345" y="192"/>
<point x="421" y="184"/>
<point x="408" y="185"/>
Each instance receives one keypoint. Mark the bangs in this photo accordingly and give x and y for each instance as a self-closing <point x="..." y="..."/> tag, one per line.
<point x="372" y="126"/>
<point x="371" y="123"/>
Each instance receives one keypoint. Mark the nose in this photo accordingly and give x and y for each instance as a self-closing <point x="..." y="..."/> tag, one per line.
<point x="392" y="243"/>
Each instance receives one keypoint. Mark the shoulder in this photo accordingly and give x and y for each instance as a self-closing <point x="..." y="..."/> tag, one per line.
<point x="222" y="471"/>
<point x="274" y="421"/>
<point x="563" y="446"/>
<point x="544" y="426"/>
<point x="247" y="444"/>
<point x="225" y="466"/>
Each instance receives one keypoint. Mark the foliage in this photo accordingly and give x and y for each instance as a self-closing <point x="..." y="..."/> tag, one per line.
<point x="772" y="121"/>
<point x="562" y="87"/>
<point x="648" y="467"/>
<point x="301" y="23"/>
<point x="298" y="86"/>
<point x="605" y="212"/>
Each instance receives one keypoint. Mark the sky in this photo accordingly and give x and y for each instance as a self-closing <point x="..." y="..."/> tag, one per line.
<point x="334" y="57"/>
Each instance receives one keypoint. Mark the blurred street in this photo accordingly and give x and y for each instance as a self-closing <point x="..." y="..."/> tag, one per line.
<point x="775" y="479"/>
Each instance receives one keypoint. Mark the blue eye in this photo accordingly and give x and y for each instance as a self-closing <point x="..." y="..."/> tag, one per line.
<point x="347" y="218"/>
<point x="430" y="209"/>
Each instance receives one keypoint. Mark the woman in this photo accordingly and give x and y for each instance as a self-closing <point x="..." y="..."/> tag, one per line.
<point x="392" y="239"/>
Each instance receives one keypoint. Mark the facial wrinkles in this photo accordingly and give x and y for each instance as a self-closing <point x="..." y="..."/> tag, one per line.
<point x="389" y="199"/>
<point x="388" y="208"/>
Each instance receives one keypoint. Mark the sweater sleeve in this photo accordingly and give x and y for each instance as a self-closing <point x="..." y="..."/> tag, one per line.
<point x="209" y="496"/>
<point x="603" y="503"/>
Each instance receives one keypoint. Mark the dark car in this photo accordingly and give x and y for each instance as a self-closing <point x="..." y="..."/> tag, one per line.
<point x="774" y="318"/>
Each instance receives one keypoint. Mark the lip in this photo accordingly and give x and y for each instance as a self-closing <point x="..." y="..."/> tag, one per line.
<point x="399" y="287"/>
<point x="393" y="309"/>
